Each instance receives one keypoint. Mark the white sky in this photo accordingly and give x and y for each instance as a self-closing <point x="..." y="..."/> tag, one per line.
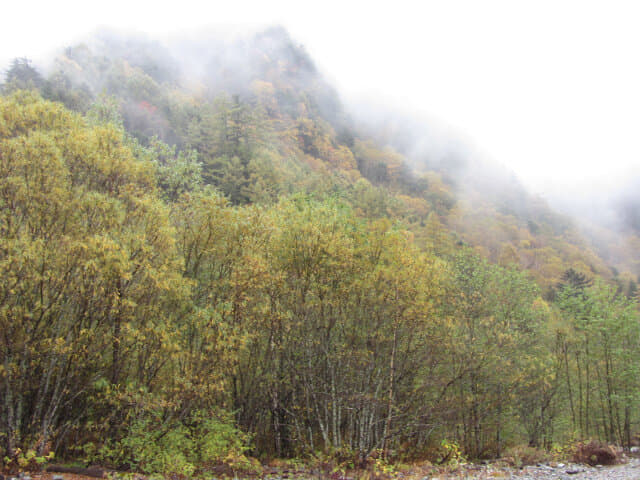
<point x="549" y="88"/>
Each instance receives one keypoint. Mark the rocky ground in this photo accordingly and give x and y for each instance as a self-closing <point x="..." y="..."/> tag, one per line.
<point x="560" y="471"/>
<point x="629" y="470"/>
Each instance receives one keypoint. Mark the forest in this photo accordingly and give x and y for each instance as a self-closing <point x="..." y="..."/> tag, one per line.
<point x="227" y="268"/>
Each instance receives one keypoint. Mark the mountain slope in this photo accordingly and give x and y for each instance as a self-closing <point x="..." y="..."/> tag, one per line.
<point x="263" y="122"/>
<point x="210" y="258"/>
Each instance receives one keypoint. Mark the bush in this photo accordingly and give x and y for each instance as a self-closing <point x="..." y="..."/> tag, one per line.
<point x="596" y="453"/>
<point x="25" y="461"/>
<point x="154" y="447"/>
<point x="218" y="441"/>
<point x="157" y="445"/>
<point x="450" y="453"/>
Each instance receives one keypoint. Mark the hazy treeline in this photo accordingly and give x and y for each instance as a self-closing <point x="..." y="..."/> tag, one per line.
<point x="190" y="279"/>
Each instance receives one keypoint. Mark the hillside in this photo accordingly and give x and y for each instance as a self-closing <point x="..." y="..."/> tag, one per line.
<point x="263" y="122"/>
<point x="208" y="259"/>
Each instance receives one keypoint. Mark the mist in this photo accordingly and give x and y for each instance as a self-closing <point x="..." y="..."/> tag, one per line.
<point x="546" y="90"/>
<point x="490" y="134"/>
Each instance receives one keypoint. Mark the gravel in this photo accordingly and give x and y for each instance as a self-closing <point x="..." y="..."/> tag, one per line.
<point x="629" y="470"/>
<point x="626" y="471"/>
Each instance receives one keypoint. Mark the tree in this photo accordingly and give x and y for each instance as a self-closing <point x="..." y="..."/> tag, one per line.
<point x="494" y="349"/>
<point x="92" y="279"/>
<point x="600" y="361"/>
<point x="22" y="76"/>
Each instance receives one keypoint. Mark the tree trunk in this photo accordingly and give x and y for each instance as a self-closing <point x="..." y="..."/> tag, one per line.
<point x="392" y="369"/>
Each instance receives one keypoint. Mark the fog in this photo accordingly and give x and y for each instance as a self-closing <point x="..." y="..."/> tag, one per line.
<point x="547" y="89"/>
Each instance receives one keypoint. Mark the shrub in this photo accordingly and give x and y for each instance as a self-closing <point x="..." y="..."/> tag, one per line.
<point x="218" y="441"/>
<point x="153" y="444"/>
<point x="25" y="461"/>
<point x="154" y="447"/>
<point x="596" y="453"/>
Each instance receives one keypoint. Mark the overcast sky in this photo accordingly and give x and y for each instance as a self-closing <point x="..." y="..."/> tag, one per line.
<point x="549" y="88"/>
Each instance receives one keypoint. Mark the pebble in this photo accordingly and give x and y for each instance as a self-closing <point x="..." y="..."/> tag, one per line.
<point x="553" y="471"/>
<point x="627" y="471"/>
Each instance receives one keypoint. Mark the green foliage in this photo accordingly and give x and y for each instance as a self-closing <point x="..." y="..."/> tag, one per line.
<point x="154" y="444"/>
<point x="600" y="359"/>
<point x="496" y="354"/>
<point x="451" y="453"/>
<point x="176" y="173"/>
<point x="26" y="461"/>
<point x="158" y="450"/>
<point x="220" y="442"/>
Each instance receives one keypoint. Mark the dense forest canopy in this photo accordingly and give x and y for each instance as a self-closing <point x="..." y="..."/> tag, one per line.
<point x="206" y="259"/>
